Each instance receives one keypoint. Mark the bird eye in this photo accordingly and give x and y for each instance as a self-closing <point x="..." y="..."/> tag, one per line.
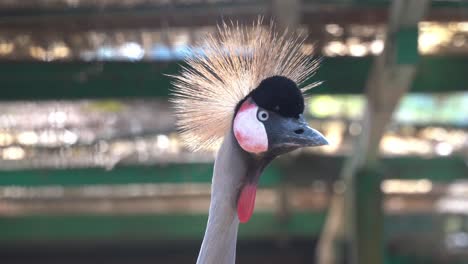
<point x="263" y="115"/>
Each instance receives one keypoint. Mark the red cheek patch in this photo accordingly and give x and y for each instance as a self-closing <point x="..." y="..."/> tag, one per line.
<point x="248" y="130"/>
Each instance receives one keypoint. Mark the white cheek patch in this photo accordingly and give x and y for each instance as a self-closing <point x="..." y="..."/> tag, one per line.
<point x="248" y="130"/>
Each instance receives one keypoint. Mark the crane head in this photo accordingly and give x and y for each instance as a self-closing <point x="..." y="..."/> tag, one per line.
<point x="270" y="121"/>
<point x="243" y="80"/>
<point x="267" y="123"/>
<point x="235" y="64"/>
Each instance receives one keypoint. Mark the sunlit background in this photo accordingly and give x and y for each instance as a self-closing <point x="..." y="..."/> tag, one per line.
<point x="93" y="171"/>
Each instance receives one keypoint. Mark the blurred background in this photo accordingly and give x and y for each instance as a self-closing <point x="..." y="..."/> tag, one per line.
<point x="92" y="171"/>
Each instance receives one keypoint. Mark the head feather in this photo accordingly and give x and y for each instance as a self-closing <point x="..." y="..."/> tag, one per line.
<point x="227" y="67"/>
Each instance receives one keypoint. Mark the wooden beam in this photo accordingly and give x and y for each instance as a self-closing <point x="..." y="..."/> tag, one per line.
<point x="32" y="80"/>
<point x="310" y="14"/>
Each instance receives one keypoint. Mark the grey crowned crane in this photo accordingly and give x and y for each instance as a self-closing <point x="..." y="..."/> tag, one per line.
<point x="241" y="90"/>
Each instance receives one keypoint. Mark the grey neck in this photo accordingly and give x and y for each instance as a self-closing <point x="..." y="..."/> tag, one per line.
<point x="219" y="243"/>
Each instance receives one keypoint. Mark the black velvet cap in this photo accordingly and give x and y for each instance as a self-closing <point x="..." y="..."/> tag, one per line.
<point x="280" y="95"/>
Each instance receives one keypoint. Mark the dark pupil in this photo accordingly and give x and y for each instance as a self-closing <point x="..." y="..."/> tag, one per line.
<point x="264" y="115"/>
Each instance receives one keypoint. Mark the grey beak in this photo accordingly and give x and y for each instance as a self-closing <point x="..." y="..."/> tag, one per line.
<point x="293" y="133"/>
<point x="305" y="136"/>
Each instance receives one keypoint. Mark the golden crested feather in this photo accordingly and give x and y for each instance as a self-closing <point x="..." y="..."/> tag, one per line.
<point x="227" y="67"/>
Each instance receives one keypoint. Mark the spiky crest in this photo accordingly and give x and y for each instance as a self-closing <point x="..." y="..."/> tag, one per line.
<point x="229" y="65"/>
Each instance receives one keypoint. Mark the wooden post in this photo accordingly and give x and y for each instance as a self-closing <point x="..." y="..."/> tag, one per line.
<point x="368" y="216"/>
<point x="389" y="79"/>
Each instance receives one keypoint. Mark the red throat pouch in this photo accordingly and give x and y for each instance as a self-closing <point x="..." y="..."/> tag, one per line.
<point x="246" y="202"/>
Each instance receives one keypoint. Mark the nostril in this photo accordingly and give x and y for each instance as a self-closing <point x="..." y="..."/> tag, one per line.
<point x="299" y="131"/>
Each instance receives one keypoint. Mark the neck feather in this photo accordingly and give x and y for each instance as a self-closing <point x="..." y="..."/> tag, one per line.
<point x="219" y="243"/>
